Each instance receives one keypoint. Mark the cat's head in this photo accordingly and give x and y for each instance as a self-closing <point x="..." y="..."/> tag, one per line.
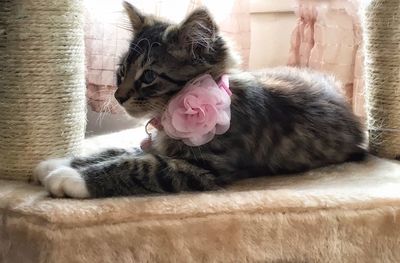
<point x="163" y="57"/>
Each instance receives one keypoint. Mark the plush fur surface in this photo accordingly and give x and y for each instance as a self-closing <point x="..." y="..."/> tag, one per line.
<point x="342" y="213"/>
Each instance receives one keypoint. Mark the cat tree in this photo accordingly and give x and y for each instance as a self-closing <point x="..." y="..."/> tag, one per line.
<point x="346" y="213"/>
<point x="382" y="72"/>
<point x="42" y="96"/>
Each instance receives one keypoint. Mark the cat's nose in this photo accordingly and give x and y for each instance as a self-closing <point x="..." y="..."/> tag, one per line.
<point x="121" y="98"/>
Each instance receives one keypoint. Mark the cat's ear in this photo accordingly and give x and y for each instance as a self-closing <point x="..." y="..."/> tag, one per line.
<point x="196" y="34"/>
<point x="135" y="16"/>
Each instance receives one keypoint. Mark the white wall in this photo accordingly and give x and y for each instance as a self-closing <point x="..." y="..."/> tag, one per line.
<point x="272" y="23"/>
<point x="101" y="123"/>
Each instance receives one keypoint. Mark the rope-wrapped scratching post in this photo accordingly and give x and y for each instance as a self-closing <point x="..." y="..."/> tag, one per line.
<point x="42" y="94"/>
<point x="382" y="70"/>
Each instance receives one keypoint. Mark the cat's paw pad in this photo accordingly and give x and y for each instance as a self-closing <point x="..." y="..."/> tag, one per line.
<point x="43" y="169"/>
<point x="66" y="182"/>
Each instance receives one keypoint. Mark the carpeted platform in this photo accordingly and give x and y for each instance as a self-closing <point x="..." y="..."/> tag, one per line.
<point x="345" y="213"/>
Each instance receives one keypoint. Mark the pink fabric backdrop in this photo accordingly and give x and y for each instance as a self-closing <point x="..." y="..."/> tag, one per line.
<point x="106" y="40"/>
<point x="328" y="38"/>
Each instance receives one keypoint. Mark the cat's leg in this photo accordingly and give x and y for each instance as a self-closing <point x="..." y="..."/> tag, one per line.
<point x="48" y="166"/>
<point x="127" y="175"/>
<point x="107" y="155"/>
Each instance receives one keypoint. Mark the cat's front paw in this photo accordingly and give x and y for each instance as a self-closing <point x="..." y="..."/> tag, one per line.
<point x="66" y="182"/>
<point x="43" y="169"/>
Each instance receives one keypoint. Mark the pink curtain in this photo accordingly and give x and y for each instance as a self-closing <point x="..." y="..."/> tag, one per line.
<point x="106" y="40"/>
<point x="328" y="38"/>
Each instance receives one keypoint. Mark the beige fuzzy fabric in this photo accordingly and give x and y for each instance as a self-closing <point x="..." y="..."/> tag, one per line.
<point x="344" y="213"/>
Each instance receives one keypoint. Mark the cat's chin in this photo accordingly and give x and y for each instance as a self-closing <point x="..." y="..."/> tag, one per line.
<point x="137" y="114"/>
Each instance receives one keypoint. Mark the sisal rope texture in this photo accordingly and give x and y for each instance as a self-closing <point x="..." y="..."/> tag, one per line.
<point x="381" y="20"/>
<point x="42" y="93"/>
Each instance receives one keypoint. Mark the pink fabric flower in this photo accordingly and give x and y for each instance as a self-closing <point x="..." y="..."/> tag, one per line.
<point x="199" y="111"/>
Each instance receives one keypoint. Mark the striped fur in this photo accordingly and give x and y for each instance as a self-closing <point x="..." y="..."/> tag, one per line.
<point x="283" y="121"/>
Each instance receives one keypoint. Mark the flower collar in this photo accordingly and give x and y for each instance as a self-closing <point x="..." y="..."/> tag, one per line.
<point x="197" y="113"/>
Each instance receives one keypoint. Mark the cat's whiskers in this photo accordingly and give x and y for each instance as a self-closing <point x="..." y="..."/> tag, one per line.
<point x="108" y="104"/>
<point x="104" y="111"/>
<point x="134" y="48"/>
<point x="126" y="25"/>
<point x="102" y="115"/>
<point x="149" y="50"/>
<point x="143" y="39"/>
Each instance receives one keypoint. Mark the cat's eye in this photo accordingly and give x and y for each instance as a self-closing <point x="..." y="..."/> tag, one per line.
<point x="148" y="76"/>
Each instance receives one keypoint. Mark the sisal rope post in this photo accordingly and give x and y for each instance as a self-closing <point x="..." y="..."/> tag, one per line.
<point x="381" y="20"/>
<point x="42" y="93"/>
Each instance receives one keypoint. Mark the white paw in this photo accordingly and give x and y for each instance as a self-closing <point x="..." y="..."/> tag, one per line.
<point x="43" y="169"/>
<point x="66" y="181"/>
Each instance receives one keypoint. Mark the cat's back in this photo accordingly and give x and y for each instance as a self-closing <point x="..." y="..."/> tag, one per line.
<point x="296" y="112"/>
<point x="290" y="88"/>
<point x="298" y="81"/>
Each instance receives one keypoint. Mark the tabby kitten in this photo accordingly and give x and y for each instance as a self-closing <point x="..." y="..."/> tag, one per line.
<point x="282" y="121"/>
